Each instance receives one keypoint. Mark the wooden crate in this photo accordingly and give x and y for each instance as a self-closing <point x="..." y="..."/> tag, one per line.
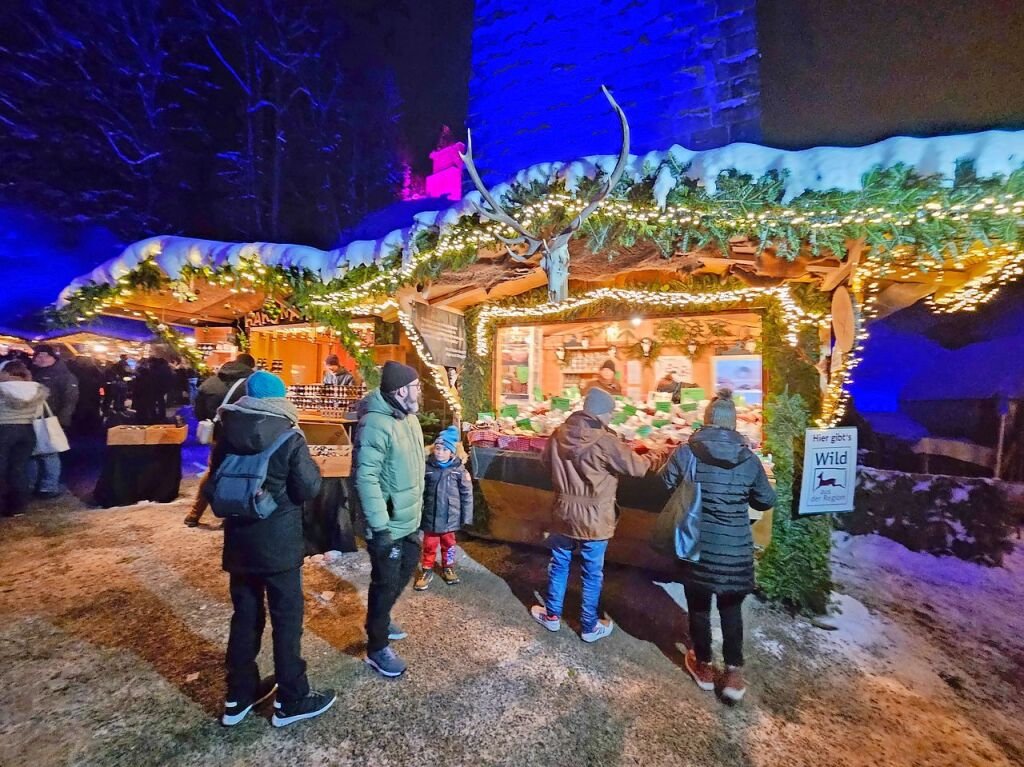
<point x="126" y="435"/>
<point x="157" y="434"/>
<point x="339" y="465"/>
<point x="335" y="435"/>
<point x="166" y="435"/>
<point x="324" y="433"/>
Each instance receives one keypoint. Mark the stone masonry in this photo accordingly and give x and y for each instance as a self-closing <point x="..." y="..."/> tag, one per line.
<point x="685" y="72"/>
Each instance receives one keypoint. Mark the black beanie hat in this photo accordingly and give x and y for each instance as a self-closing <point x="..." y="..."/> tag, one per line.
<point x="609" y="365"/>
<point x="44" y="349"/>
<point x="396" y="375"/>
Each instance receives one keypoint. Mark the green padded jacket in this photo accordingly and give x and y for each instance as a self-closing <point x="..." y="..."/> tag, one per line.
<point x="389" y="460"/>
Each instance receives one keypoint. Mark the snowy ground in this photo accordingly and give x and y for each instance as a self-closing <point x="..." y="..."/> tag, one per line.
<point x="112" y="627"/>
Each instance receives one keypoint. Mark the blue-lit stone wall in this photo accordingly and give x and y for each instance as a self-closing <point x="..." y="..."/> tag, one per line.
<point x="686" y="72"/>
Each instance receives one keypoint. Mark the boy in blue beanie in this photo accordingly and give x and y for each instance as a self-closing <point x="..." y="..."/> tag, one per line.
<point x="447" y="506"/>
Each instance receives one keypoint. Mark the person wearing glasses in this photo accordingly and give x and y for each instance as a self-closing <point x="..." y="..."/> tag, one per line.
<point x="389" y="480"/>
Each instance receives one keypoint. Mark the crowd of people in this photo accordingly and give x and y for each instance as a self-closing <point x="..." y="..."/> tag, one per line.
<point x="84" y="396"/>
<point x="414" y="502"/>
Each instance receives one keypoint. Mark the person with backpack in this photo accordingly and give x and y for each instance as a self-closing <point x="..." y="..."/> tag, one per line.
<point x="261" y="474"/>
<point x="731" y="478"/>
<point x="585" y="459"/>
<point x="388" y="450"/>
<point x="222" y="389"/>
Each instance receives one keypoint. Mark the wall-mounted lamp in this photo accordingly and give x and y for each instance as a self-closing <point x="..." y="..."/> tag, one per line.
<point x="645" y="346"/>
<point x="750" y="344"/>
<point x="560" y="354"/>
<point x="691" y="348"/>
<point x="613" y="352"/>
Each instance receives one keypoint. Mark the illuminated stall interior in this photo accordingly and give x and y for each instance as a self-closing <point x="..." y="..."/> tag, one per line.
<point x="298" y="352"/>
<point x="681" y="359"/>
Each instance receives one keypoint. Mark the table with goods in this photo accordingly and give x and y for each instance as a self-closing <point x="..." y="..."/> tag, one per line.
<point x="506" y="447"/>
<point x="141" y="463"/>
<point x="328" y="520"/>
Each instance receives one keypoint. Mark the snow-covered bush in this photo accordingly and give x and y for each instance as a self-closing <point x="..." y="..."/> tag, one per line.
<point x="965" y="517"/>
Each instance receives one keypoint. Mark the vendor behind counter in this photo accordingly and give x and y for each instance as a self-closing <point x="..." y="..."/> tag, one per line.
<point x="605" y="380"/>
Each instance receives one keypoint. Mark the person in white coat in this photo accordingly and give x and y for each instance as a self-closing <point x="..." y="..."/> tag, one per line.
<point x="21" y="402"/>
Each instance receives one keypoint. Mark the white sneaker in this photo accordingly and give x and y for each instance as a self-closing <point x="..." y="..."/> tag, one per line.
<point x="601" y="630"/>
<point x="540" y="614"/>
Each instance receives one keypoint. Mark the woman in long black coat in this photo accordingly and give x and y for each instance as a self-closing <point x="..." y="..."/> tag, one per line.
<point x="731" y="478"/>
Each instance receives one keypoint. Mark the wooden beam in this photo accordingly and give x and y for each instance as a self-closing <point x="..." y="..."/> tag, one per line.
<point x="854" y="250"/>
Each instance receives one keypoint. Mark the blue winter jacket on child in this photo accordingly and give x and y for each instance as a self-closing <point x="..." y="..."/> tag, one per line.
<point x="447" y="497"/>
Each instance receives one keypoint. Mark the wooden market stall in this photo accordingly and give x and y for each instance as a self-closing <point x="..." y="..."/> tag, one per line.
<point x="746" y="254"/>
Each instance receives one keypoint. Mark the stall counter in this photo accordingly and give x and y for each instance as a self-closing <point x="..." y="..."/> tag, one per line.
<point x="519" y="494"/>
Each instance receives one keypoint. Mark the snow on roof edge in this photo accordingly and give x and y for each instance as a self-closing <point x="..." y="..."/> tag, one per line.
<point x="815" y="169"/>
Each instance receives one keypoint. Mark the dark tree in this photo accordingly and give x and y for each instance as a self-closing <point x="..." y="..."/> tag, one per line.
<point x="259" y="120"/>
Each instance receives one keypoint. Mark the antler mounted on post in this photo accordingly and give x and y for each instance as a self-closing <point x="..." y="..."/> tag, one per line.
<point x="555" y="259"/>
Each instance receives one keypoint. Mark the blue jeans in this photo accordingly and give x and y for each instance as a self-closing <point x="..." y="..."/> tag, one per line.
<point x="44" y="473"/>
<point x="592" y="553"/>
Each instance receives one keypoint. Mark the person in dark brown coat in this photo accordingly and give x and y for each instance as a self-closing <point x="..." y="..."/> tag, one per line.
<point x="585" y="459"/>
<point x="731" y="479"/>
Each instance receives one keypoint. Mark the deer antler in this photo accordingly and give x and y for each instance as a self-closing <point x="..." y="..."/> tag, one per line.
<point x="497" y="213"/>
<point x="613" y="179"/>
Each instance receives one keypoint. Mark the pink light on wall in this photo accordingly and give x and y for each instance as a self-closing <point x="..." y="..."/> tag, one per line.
<point x="446" y="180"/>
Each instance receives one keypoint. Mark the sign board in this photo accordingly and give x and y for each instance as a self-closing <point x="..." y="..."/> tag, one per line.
<point x="273" y="313"/>
<point x="443" y="332"/>
<point x="830" y="471"/>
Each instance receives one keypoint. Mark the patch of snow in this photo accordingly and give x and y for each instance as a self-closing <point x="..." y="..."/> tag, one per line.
<point x="773" y="647"/>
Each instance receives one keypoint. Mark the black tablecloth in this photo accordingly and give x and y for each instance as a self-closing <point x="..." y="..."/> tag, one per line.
<point x="327" y="519"/>
<point x="516" y="468"/>
<point x="133" y="473"/>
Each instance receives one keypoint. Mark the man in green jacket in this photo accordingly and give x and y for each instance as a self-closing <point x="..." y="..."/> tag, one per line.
<point x="389" y="461"/>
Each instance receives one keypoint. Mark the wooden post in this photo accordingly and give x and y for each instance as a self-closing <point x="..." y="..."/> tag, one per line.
<point x="1003" y="418"/>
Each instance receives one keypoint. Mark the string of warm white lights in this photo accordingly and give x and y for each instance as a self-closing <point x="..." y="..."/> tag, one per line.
<point x="834" y="403"/>
<point x="1004" y="264"/>
<point x="437" y="372"/>
<point x="796" y="317"/>
<point x="452" y="240"/>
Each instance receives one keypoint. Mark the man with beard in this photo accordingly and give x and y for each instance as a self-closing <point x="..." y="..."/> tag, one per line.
<point x="389" y="458"/>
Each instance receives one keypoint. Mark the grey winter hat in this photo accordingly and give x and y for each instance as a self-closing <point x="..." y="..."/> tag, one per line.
<point x="721" y="411"/>
<point x="598" y="402"/>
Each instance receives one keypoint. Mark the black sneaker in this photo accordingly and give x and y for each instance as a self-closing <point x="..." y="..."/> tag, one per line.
<point x="236" y="711"/>
<point x="314" y="704"/>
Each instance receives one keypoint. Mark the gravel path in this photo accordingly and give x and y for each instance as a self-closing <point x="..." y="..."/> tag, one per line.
<point x="113" y="627"/>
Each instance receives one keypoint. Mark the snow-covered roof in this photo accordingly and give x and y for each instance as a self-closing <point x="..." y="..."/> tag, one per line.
<point x="818" y="169"/>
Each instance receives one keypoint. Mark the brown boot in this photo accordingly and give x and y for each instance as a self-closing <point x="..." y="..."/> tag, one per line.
<point x="423" y="580"/>
<point x="734" y="686"/>
<point x="703" y="673"/>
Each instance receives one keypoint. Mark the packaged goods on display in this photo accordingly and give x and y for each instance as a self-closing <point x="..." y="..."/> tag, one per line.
<point x="655" y="425"/>
<point x="329" y="400"/>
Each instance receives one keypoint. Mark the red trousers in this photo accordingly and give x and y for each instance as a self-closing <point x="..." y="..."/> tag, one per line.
<point x="430" y="542"/>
